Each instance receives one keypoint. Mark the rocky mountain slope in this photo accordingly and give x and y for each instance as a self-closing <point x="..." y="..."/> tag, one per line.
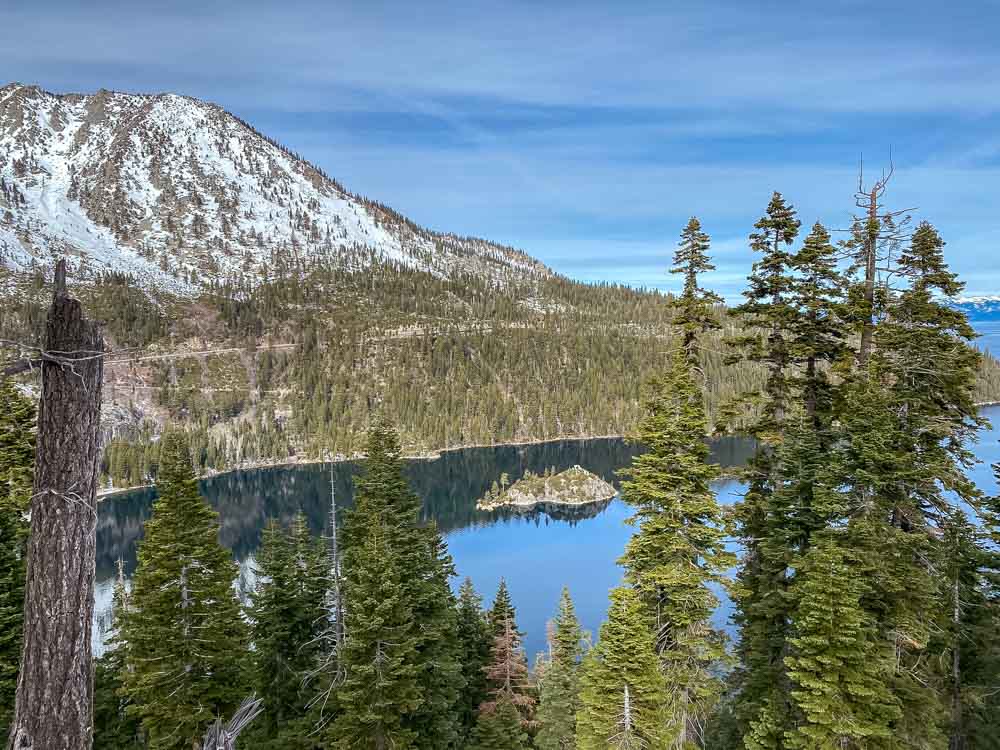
<point x="255" y="302"/>
<point x="180" y="193"/>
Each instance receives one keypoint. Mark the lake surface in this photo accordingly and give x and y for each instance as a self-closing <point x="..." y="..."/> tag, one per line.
<point x="537" y="552"/>
<point x="989" y="336"/>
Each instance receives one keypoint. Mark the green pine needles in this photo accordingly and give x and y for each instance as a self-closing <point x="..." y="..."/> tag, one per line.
<point x="623" y="695"/>
<point x="287" y="620"/>
<point x="678" y="551"/>
<point x="17" y="458"/>
<point x="559" y="682"/>
<point x="401" y="656"/>
<point x="187" y="640"/>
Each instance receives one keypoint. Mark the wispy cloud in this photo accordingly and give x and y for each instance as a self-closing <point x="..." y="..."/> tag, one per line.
<point x="579" y="131"/>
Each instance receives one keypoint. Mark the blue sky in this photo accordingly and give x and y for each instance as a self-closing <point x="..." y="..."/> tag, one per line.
<point x="585" y="133"/>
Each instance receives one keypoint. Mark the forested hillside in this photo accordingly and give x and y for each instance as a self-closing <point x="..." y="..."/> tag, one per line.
<point x="295" y="368"/>
<point x="254" y="301"/>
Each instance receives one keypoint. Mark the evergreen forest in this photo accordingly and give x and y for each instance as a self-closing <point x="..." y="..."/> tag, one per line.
<point x="866" y="576"/>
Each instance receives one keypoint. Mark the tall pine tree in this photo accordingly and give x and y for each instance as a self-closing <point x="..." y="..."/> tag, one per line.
<point x="422" y="621"/>
<point x="475" y="642"/>
<point x="507" y="677"/>
<point x="678" y="552"/>
<point x="694" y="314"/>
<point x="17" y="457"/>
<point x="186" y="638"/>
<point x="622" y="694"/>
<point x="559" y="689"/>
<point x="381" y="689"/>
<point x="287" y="619"/>
<point x="769" y="307"/>
<point x="818" y="332"/>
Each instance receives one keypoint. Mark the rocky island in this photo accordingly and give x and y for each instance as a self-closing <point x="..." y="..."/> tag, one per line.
<point x="574" y="487"/>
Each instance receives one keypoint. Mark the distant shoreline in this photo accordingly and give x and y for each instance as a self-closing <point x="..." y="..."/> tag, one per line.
<point x="432" y="455"/>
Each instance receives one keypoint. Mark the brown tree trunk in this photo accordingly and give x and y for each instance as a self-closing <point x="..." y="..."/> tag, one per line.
<point x="54" y="705"/>
<point x="870" y="249"/>
<point x="957" y="740"/>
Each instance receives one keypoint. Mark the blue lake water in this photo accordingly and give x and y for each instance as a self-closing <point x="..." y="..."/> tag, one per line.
<point x="538" y="553"/>
<point x="989" y="336"/>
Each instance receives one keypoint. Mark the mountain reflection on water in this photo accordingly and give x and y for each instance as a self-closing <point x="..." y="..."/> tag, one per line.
<point x="449" y="487"/>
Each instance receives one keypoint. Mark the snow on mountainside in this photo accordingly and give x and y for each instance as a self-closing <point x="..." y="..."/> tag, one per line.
<point x="979" y="308"/>
<point x="179" y="192"/>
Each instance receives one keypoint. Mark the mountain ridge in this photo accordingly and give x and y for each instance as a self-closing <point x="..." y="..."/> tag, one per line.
<point x="182" y="193"/>
<point x="250" y="300"/>
<point x="979" y="308"/>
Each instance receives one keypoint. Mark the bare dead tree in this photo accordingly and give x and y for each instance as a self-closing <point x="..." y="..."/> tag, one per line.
<point x="54" y="703"/>
<point x="330" y="669"/>
<point x="221" y="737"/>
<point x="877" y="232"/>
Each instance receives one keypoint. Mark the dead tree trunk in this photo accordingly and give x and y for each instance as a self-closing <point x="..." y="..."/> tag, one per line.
<point x="54" y="705"/>
<point x="877" y="233"/>
<point x="869" y="251"/>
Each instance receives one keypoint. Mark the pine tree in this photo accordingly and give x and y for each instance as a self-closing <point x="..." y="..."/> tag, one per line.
<point x="379" y="655"/>
<point x="436" y="721"/>
<point x="762" y="604"/>
<point x="769" y="307"/>
<point x="908" y="418"/>
<point x="622" y="692"/>
<point x="817" y="335"/>
<point x="186" y="638"/>
<point x="960" y="586"/>
<point x="559" y="688"/>
<point x="977" y="631"/>
<point x="287" y="619"/>
<point x="500" y="729"/>
<point x="17" y="456"/>
<point x="502" y="611"/>
<point x="840" y="668"/>
<point x="879" y="481"/>
<point x="678" y="551"/>
<point x="507" y="678"/>
<point x="114" y="727"/>
<point x="475" y="640"/>
<point x="694" y="307"/>
<point x="426" y="635"/>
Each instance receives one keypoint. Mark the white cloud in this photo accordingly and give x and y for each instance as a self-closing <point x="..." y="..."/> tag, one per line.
<point x="578" y="131"/>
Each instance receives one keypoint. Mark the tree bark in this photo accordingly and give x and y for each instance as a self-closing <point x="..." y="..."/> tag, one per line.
<point x="54" y="704"/>
<point x="870" y="249"/>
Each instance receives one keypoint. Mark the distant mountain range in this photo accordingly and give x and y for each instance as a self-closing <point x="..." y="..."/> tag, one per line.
<point x="180" y="193"/>
<point x="980" y="308"/>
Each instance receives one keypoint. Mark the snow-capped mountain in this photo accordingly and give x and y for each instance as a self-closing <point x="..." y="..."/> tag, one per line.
<point x="178" y="192"/>
<point x="979" y="308"/>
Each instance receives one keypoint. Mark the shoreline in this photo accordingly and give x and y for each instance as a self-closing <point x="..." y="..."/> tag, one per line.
<point x="431" y="455"/>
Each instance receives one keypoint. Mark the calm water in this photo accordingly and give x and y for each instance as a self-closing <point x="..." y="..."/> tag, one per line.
<point x="989" y="336"/>
<point x="537" y="552"/>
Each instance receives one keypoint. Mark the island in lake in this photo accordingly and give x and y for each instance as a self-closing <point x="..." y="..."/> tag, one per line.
<point x="574" y="487"/>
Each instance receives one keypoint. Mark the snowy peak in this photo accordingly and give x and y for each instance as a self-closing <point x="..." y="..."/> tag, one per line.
<point x="180" y="192"/>
<point x="979" y="308"/>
